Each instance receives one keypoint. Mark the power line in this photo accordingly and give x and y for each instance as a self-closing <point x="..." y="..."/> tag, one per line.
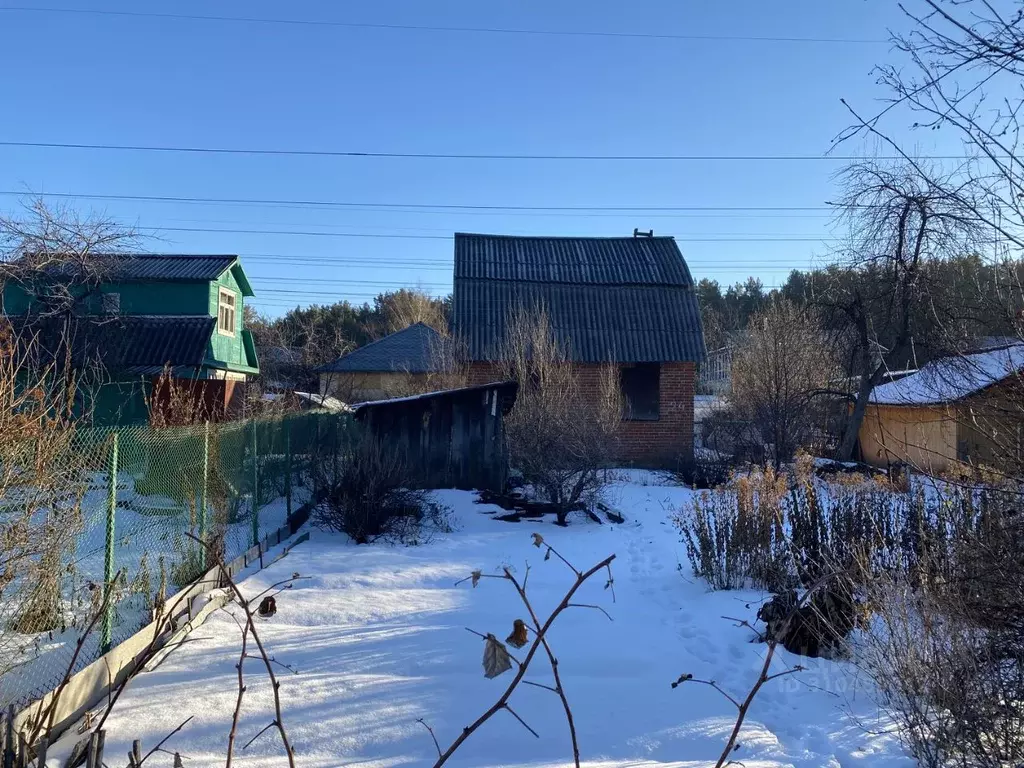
<point x="428" y="207"/>
<point x="457" y="155"/>
<point x="400" y="236"/>
<point x="436" y="28"/>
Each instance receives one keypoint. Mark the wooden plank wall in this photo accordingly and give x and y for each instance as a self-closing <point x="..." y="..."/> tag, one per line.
<point x="455" y="438"/>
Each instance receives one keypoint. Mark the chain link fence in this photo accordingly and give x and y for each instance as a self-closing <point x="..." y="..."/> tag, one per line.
<point x="134" y="496"/>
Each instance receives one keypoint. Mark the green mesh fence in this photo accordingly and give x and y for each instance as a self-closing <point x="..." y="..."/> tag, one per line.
<point x="141" y="493"/>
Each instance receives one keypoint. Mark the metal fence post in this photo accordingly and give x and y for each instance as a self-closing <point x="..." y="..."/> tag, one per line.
<point x="255" y="489"/>
<point x="202" y="496"/>
<point x="107" y="631"/>
<point x="288" y="466"/>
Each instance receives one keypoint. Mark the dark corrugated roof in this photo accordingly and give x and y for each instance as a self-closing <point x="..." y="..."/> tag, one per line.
<point x="411" y="350"/>
<point x="577" y="260"/>
<point x="170" y="266"/>
<point x="131" y="343"/>
<point x="625" y="299"/>
<point x="160" y="266"/>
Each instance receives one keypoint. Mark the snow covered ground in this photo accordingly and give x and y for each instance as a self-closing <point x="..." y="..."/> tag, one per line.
<point x="378" y="638"/>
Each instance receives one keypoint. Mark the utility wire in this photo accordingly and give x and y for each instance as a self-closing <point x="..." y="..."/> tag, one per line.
<point x="441" y="206"/>
<point x="438" y="28"/>
<point x="457" y="155"/>
<point x="400" y="236"/>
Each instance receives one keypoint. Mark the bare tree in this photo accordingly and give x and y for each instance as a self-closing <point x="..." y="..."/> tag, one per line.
<point x="898" y="220"/>
<point x="59" y="256"/>
<point x="562" y="430"/>
<point x="779" y="373"/>
<point x="959" y="71"/>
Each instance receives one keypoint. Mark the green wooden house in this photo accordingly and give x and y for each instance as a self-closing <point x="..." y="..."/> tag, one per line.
<point x="145" y="314"/>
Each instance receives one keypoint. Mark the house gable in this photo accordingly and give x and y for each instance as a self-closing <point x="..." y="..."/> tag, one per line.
<point x="629" y="300"/>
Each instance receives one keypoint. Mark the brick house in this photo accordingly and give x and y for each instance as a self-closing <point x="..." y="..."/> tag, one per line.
<point x="626" y="300"/>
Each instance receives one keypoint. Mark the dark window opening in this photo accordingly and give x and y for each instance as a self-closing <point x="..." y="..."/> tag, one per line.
<point x="641" y="392"/>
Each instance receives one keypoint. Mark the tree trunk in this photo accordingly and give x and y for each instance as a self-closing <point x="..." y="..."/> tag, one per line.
<point x="848" y="445"/>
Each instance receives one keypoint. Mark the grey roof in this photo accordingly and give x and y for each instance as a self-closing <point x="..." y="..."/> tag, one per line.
<point x="629" y="299"/>
<point x="171" y="266"/>
<point x="137" y="344"/>
<point x="163" y="266"/>
<point x="411" y="350"/>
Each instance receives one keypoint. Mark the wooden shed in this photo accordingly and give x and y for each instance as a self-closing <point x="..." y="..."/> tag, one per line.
<point x="966" y="409"/>
<point x="455" y="437"/>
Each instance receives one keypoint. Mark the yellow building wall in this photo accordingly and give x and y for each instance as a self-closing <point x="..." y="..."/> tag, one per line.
<point x="362" y="387"/>
<point x="925" y="438"/>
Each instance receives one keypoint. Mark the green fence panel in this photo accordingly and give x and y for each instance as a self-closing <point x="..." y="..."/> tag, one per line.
<point x="139" y="521"/>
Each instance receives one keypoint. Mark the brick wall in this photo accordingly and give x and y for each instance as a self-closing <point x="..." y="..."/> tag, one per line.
<point x="662" y="443"/>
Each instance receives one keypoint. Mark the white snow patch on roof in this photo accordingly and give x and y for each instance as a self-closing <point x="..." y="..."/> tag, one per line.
<point x="952" y="378"/>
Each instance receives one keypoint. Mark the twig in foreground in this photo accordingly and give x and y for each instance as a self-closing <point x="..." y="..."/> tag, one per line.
<point x="165" y="738"/>
<point x="251" y="626"/>
<point x="538" y="641"/>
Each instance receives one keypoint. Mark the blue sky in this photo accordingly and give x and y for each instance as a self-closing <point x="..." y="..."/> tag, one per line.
<point x="112" y="79"/>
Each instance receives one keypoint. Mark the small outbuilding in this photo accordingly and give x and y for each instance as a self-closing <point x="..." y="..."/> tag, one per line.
<point x="452" y="438"/>
<point x="399" y="364"/>
<point x="966" y="409"/>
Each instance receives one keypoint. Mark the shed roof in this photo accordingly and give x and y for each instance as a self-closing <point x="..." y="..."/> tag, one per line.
<point x="505" y="390"/>
<point x="411" y="350"/>
<point x="952" y="378"/>
<point x="629" y="299"/>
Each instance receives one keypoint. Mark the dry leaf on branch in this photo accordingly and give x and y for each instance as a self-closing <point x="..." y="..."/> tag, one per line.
<point x="475" y="578"/>
<point x="537" y="540"/>
<point x="496" y="658"/>
<point x="518" y="637"/>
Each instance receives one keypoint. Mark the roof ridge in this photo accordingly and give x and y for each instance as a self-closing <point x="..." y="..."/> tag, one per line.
<point x="152" y="255"/>
<point x="385" y="338"/>
<point x="564" y="237"/>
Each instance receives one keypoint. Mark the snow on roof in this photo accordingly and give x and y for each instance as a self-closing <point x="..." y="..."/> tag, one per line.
<point x="325" y="401"/>
<point x="952" y="378"/>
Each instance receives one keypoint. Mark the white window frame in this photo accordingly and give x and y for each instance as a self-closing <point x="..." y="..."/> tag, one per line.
<point x="221" y="306"/>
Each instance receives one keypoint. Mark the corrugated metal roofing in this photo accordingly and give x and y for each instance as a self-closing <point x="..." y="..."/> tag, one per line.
<point x="577" y="260"/>
<point x="411" y="350"/>
<point x="144" y="267"/>
<point x="158" y="266"/>
<point x="623" y="299"/>
<point x="159" y="340"/>
<point x="131" y="343"/>
<point x="170" y="266"/>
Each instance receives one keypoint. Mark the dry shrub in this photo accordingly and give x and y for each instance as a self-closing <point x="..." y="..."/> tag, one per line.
<point x="778" y="375"/>
<point x="947" y="654"/>
<point x="178" y="402"/>
<point x="42" y="482"/>
<point x="369" y="496"/>
<point x="561" y="433"/>
<point x="734" y="535"/>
